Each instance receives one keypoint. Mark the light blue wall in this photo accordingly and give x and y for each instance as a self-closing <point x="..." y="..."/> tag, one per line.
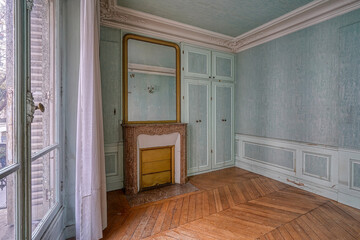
<point x="71" y="78"/>
<point x="110" y="67"/>
<point x="304" y="86"/>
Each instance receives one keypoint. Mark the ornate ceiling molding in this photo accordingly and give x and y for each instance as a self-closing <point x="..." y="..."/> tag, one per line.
<point x="308" y="15"/>
<point x="112" y="15"/>
<point x="315" y="12"/>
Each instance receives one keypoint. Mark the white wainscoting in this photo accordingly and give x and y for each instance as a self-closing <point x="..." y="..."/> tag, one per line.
<point x="328" y="171"/>
<point x="114" y="166"/>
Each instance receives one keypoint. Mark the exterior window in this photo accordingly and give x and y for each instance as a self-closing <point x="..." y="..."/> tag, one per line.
<point x="44" y="139"/>
<point x="8" y="162"/>
<point x="30" y="168"/>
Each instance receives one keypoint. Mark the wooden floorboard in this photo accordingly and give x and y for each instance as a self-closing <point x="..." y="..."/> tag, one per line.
<point x="234" y="204"/>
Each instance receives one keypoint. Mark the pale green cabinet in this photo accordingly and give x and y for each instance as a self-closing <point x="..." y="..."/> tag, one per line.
<point x="223" y="125"/>
<point x="199" y="120"/>
<point x="197" y="62"/>
<point x="222" y="66"/>
<point x="202" y="63"/>
<point x="208" y="108"/>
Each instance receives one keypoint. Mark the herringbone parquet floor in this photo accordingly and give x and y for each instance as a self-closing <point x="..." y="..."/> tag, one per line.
<point x="234" y="204"/>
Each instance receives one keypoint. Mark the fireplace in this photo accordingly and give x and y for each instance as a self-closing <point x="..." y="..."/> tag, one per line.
<point x="156" y="166"/>
<point x="138" y="138"/>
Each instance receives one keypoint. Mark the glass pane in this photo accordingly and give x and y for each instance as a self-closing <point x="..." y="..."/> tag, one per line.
<point x="7" y="207"/>
<point x="42" y="76"/>
<point x="43" y="182"/>
<point x="151" y="81"/>
<point x="7" y="136"/>
<point x="151" y="97"/>
<point x="151" y="54"/>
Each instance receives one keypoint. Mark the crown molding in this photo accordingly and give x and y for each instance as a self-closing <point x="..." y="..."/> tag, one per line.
<point x="303" y="17"/>
<point x="112" y="15"/>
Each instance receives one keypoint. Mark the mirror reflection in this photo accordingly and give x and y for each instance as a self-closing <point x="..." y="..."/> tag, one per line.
<point x="152" y="80"/>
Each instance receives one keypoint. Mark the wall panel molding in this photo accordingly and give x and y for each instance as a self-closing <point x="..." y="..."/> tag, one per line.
<point x="312" y="165"/>
<point x="114" y="170"/>
<point x="332" y="172"/>
<point x="310" y="14"/>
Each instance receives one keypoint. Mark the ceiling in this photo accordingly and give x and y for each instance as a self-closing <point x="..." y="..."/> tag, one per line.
<point x="229" y="17"/>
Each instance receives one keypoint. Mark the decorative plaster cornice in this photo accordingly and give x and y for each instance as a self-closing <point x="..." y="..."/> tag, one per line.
<point x="315" y="12"/>
<point x="308" y="15"/>
<point x="112" y="15"/>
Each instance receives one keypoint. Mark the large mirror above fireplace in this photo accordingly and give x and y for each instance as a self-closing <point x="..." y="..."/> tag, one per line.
<point x="151" y="80"/>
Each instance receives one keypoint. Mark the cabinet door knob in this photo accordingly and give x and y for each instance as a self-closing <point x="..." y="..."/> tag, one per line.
<point x="213" y="76"/>
<point x="209" y="76"/>
<point x="200" y="120"/>
<point x="197" y="121"/>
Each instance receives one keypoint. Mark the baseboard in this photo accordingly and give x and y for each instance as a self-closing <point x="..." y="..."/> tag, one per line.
<point x="290" y="180"/>
<point x="111" y="186"/>
<point x="210" y="170"/>
<point x="323" y="170"/>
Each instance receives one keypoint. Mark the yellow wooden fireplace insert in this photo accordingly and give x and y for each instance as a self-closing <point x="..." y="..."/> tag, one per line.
<point x="156" y="166"/>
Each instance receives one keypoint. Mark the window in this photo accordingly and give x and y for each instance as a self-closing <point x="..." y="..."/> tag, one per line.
<point x="30" y="147"/>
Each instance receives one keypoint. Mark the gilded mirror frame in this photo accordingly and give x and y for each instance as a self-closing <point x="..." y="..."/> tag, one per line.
<point x="128" y="37"/>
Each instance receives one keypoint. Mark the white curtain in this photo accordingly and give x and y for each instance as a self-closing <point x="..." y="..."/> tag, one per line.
<point x="90" y="195"/>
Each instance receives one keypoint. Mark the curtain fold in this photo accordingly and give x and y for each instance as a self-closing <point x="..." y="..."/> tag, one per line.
<point x="90" y="195"/>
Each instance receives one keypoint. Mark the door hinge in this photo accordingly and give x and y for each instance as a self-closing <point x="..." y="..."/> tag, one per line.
<point x="210" y="98"/>
<point x="61" y="186"/>
<point x="30" y="107"/>
<point x="29" y="4"/>
<point x="183" y="52"/>
<point x="211" y="151"/>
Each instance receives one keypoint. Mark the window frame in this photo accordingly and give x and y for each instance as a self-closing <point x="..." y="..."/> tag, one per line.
<point x="22" y="126"/>
<point x="58" y="144"/>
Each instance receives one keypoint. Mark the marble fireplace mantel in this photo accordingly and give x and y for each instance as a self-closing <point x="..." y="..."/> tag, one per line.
<point x="131" y="133"/>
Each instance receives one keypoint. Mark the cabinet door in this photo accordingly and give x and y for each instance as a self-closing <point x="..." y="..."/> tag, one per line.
<point x="198" y="119"/>
<point x="222" y="66"/>
<point x="197" y="62"/>
<point x="223" y="126"/>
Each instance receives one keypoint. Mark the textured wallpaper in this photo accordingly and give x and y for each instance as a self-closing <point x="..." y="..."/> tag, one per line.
<point x="304" y="86"/>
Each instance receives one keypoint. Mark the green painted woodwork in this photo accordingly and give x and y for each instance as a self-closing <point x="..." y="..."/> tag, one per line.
<point x="198" y="119"/>
<point x="223" y="130"/>
<point x="110" y="66"/>
<point x="223" y="66"/>
<point x="204" y="63"/>
<point x="207" y="71"/>
<point x="197" y="62"/>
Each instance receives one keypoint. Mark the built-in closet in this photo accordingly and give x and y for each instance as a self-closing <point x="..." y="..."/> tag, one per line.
<point x="208" y="97"/>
